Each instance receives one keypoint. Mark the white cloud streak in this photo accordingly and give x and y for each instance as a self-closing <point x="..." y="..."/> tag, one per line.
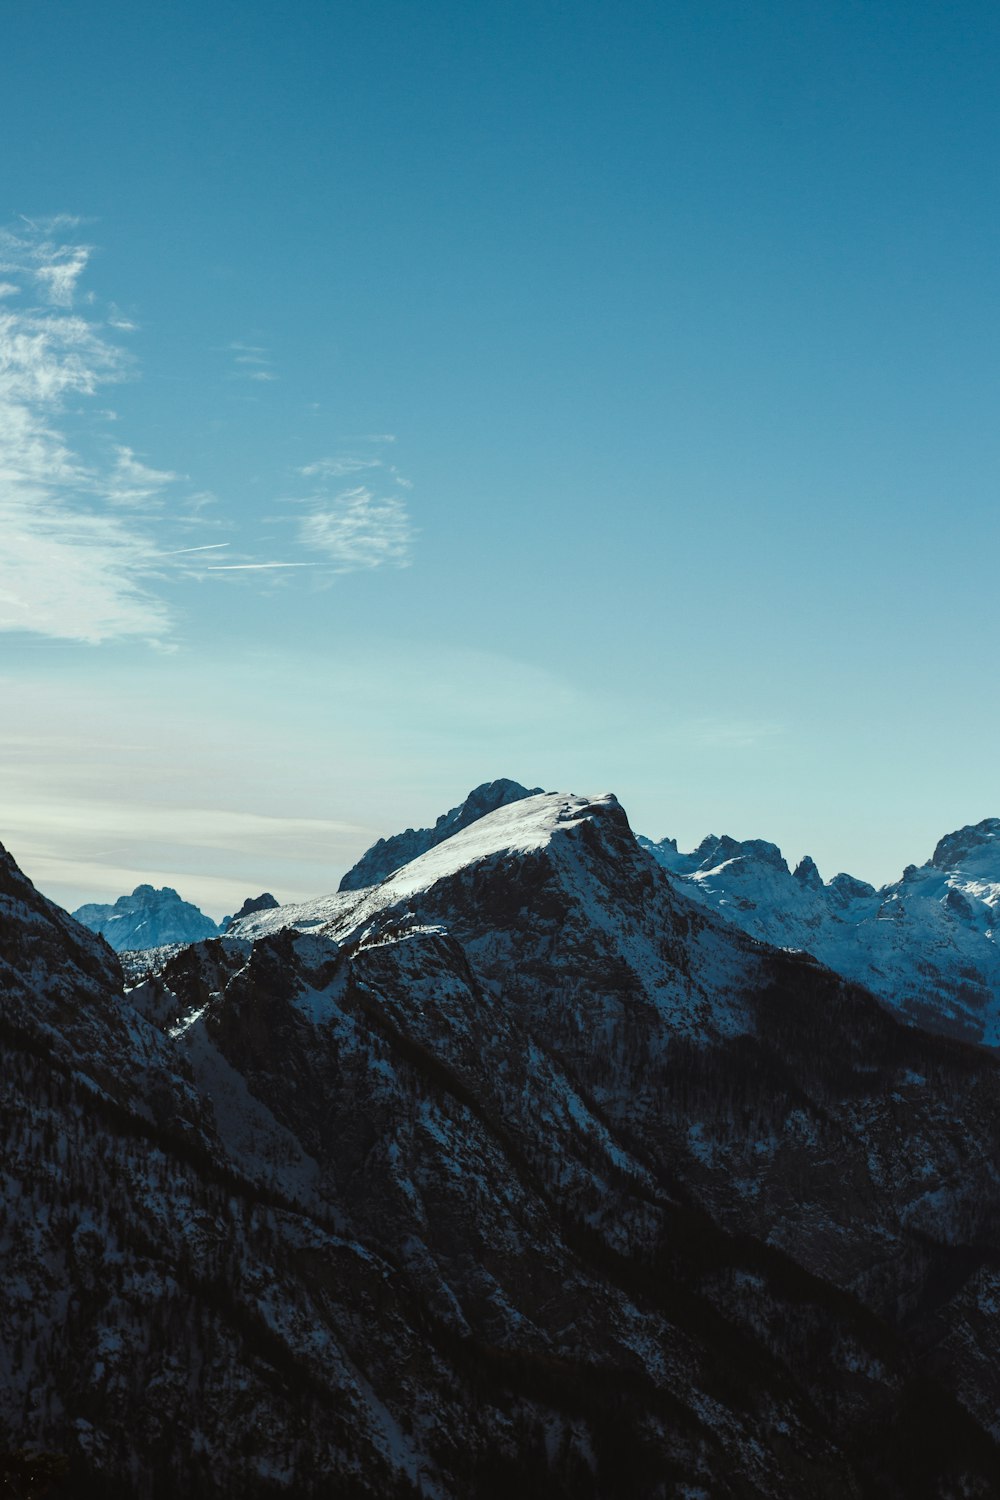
<point x="337" y="468"/>
<point x="184" y="551"/>
<point x="252" y="361"/>
<point x="254" y="567"/>
<point x="358" y="530"/>
<point x="70" y="566"/>
<point x="82" y="555"/>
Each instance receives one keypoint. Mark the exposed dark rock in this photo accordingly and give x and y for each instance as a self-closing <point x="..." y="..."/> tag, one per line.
<point x="525" y="1175"/>
<point x="263" y="902"/>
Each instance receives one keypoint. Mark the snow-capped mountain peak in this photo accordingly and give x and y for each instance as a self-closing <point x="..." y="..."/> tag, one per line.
<point x="519" y="827"/>
<point x="390" y="854"/>
<point x="148" y="918"/>
<point x="976" y="846"/>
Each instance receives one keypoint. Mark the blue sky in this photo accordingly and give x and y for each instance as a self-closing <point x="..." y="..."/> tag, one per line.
<point x="397" y="396"/>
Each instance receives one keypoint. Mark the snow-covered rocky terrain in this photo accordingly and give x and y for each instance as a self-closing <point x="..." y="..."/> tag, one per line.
<point x="148" y="918"/>
<point x="389" y="854"/>
<point x="154" y="919"/>
<point x="928" y="945"/>
<point x="518" y="1172"/>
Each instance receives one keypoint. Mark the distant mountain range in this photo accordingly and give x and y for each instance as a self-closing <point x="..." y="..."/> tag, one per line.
<point x="928" y="945"/>
<point x="520" y="1172"/>
<point x="150" y="918"/>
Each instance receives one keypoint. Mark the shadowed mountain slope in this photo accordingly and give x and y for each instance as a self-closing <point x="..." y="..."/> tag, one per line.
<point x="520" y="1172"/>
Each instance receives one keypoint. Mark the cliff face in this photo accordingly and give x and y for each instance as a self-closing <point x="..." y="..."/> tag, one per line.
<point x="519" y="1172"/>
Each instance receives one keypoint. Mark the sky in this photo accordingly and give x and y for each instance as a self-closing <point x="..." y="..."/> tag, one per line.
<point x="394" y="397"/>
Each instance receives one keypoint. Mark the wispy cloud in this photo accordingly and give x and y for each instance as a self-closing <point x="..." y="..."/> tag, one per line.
<point x="119" y="320"/>
<point x="357" y="530"/>
<point x="362" y="527"/>
<point x="92" y="531"/>
<point x="252" y="362"/>
<point x="253" y="567"/>
<point x="133" y="483"/>
<point x="72" y="564"/>
<point x="336" y="468"/>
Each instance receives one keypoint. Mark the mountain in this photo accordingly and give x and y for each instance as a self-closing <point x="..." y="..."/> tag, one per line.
<point x="147" y="919"/>
<point x="927" y="945"/>
<point x="264" y="902"/>
<point x="390" y="854"/>
<point x="520" y="1172"/>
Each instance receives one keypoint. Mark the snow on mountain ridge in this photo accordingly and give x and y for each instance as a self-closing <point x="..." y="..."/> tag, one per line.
<point x="390" y="854"/>
<point x="517" y="827"/>
<point x="925" y="944"/>
<point x="958" y="846"/>
<point x="575" y="872"/>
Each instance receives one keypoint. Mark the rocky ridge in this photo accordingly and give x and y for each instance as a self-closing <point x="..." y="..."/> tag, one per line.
<point x="264" y="902"/>
<point x="928" y="945"/>
<point x="520" y="1171"/>
<point x="387" y="855"/>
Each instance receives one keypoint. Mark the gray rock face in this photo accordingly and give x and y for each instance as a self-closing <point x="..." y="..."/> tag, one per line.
<point x="390" y="854"/>
<point x="264" y="902"/>
<point x="977" y="840"/>
<point x="519" y="1173"/>
<point x="807" y="875"/>
<point x="147" y="919"/>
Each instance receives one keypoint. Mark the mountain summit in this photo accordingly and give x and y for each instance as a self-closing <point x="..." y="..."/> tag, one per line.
<point x="389" y="854"/>
<point x="148" y="918"/>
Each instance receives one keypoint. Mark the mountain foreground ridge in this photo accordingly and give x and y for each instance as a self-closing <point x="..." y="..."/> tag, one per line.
<point x="518" y="1171"/>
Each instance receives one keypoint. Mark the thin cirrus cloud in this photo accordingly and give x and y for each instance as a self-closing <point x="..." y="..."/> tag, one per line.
<point x="73" y="564"/>
<point x="360" y="527"/>
<point x="252" y="362"/>
<point x="254" y="567"/>
<point x="357" y="529"/>
<point x="343" y="465"/>
<point x="83" y="554"/>
<point x="337" y="468"/>
<point x="133" y="484"/>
